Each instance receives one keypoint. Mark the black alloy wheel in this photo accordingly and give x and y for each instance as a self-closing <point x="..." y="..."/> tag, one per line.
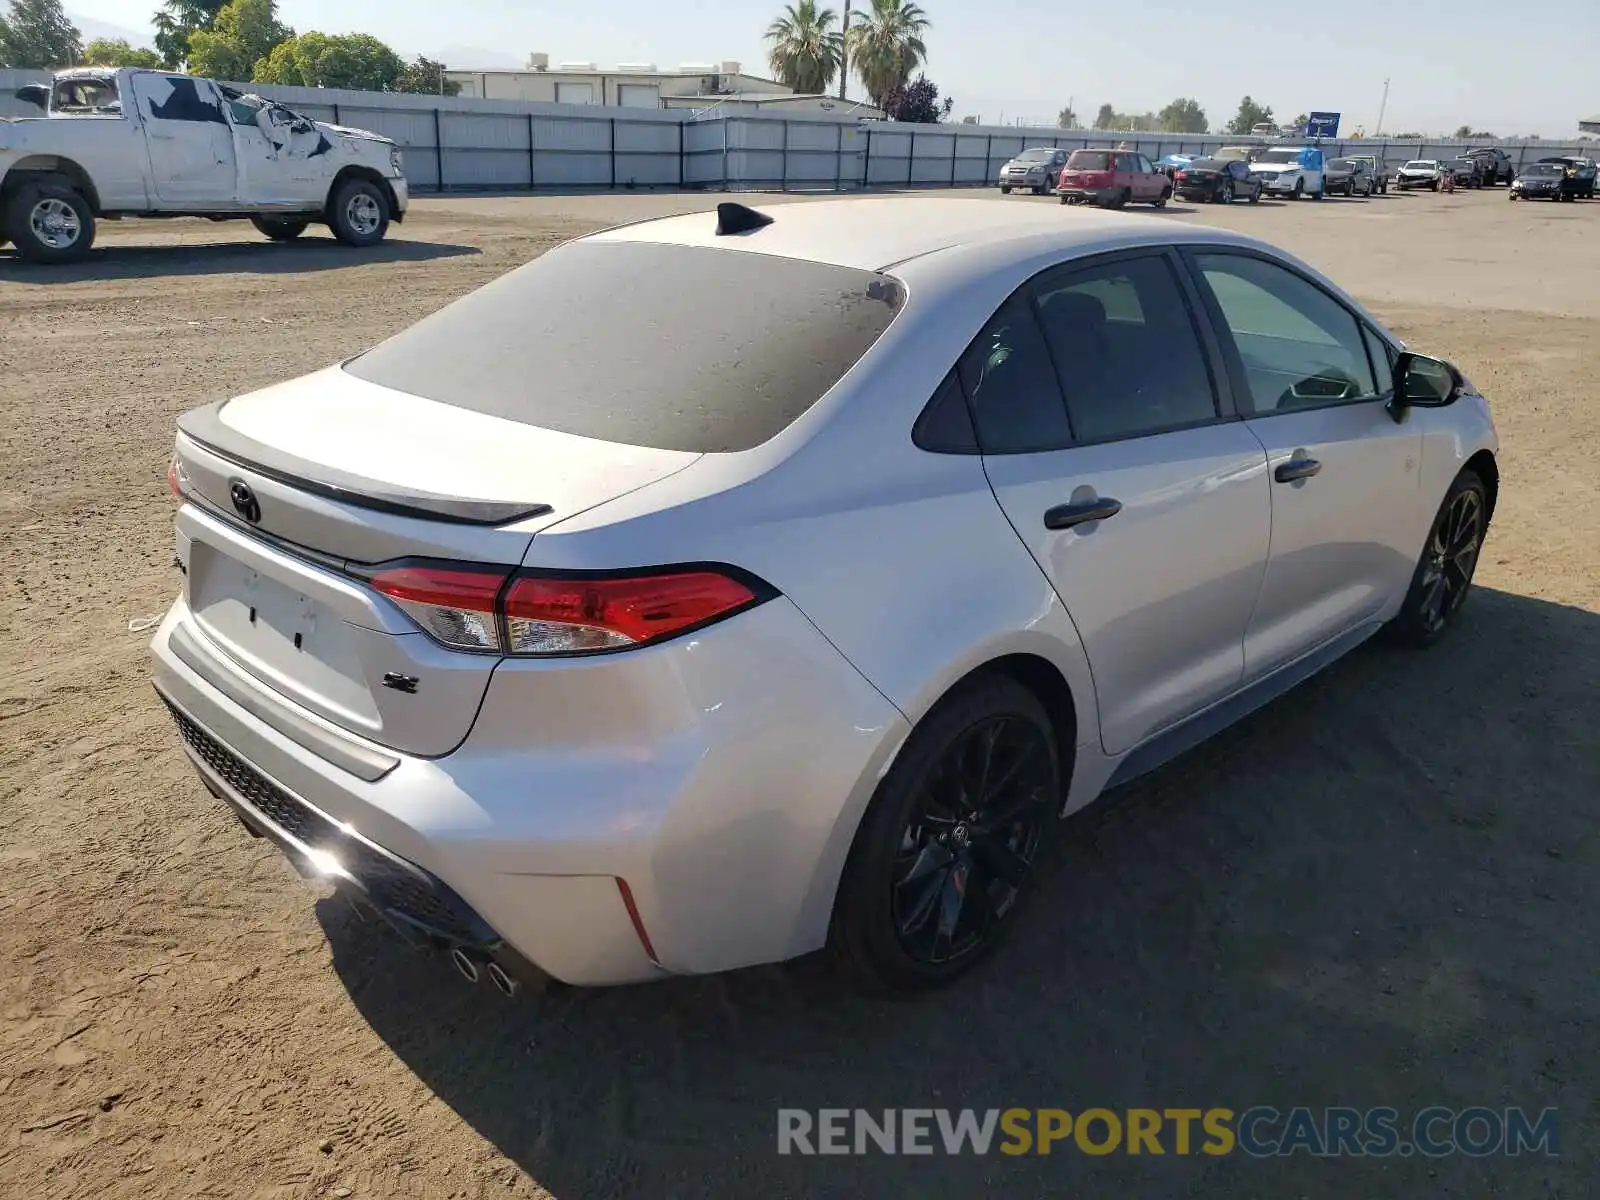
<point x="950" y="843"/>
<point x="1443" y="577"/>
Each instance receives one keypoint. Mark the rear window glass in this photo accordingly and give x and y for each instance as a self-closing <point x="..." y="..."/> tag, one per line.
<point x="674" y="347"/>
<point x="1089" y="160"/>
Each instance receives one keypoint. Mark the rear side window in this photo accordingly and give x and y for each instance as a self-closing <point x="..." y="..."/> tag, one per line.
<point x="1011" y="384"/>
<point x="674" y="347"/>
<point x="1126" y="347"/>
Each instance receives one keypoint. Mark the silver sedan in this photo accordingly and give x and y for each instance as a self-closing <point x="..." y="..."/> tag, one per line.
<point x="716" y="589"/>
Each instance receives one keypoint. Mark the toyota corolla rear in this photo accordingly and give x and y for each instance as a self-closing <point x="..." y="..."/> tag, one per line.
<point x="412" y="649"/>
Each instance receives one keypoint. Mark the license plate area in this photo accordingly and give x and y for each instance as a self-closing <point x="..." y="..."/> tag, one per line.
<point x="282" y="634"/>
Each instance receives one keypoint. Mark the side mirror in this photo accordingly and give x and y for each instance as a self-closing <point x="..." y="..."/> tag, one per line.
<point x="37" y="94"/>
<point x="1423" y="382"/>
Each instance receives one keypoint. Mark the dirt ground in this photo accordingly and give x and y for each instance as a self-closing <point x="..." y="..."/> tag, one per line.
<point x="1380" y="891"/>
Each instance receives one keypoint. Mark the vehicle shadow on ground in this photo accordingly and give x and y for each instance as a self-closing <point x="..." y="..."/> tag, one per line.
<point x="1378" y="891"/>
<point x="307" y="254"/>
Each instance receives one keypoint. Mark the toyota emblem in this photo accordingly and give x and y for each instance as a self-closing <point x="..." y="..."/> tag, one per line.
<point x="244" y="501"/>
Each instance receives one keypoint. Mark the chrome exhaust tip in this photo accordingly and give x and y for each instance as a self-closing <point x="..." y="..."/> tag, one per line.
<point x="497" y="976"/>
<point x="464" y="964"/>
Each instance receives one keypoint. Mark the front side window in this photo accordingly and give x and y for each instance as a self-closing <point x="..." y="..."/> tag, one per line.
<point x="1011" y="384"/>
<point x="1300" y="347"/>
<point x="1126" y="348"/>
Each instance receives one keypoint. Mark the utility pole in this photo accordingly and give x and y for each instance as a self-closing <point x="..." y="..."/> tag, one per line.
<point x="1383" y="104"/>
<point x="844" y="57"/>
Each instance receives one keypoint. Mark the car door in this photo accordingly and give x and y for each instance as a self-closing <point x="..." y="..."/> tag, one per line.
<point x="1151" y="181"/>
<point x="1315" y="382"/>
<point x="281" y="159"/>
<point x="1243" y="185"/>
<point x="1110" y="442"/>
<point x="189" y="142"/>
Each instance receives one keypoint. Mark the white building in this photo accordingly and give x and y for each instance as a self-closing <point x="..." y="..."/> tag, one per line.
<point x="723" y="85"/>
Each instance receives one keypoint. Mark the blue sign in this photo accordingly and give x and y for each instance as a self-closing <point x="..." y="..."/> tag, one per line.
<point x="1322" y="125"/>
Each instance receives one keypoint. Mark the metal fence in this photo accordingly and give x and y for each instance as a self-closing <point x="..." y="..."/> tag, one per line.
<point x="465" y="144"/>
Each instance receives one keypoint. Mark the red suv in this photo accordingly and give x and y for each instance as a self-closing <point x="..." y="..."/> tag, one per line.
<point x="1112" y="178"/>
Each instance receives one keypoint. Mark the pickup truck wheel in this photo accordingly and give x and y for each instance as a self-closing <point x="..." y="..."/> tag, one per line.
<point x="50" y="223"/>
<point x="360" y="215"/>
<point x="280" y="229"/>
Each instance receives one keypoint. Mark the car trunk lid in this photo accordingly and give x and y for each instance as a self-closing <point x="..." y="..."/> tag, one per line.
<point x="293" y="491"/>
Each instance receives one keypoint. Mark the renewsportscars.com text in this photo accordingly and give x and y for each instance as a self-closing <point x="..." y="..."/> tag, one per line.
<point x="1260" y="1132"/>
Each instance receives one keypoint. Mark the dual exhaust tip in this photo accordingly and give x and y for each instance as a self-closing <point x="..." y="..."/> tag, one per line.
<point x="473" y="967"/>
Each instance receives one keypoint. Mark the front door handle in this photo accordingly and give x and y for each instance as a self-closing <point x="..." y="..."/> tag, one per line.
<point x="1296" y="468"/>
<point x="1065" y="516"/>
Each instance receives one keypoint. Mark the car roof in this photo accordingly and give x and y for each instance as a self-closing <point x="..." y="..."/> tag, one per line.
<point x="879" y="232"/>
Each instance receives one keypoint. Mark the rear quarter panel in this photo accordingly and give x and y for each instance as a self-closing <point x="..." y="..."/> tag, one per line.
<point x="110" y="150"/>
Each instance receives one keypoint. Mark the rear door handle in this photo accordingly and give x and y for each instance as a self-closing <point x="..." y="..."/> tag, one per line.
<point x="1065" y="516"/>
<point x="1296" y="468"/>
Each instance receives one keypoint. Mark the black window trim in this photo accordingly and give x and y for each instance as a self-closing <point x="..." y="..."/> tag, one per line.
<point x="1218" y="375"/>
<point x="1230" y="350"/>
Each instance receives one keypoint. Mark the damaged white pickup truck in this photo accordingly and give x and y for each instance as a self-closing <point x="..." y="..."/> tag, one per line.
<point x="154" y="144"/>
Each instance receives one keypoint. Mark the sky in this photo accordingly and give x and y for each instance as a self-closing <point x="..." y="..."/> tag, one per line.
<point x="1532" y="67"/>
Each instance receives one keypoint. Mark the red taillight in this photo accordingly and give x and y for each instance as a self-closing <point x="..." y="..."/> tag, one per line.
<point x="175" y="477"/>
<point x="1181" y="175"/>
<point x="473" y="608"/>
<point x="560" y="615"/>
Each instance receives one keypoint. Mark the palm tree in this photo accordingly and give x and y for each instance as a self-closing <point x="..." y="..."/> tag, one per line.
<point x="806" y="47"/>
<point x="886" y="45"/>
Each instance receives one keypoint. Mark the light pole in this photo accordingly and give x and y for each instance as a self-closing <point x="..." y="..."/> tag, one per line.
<point x="1382" y="104"/>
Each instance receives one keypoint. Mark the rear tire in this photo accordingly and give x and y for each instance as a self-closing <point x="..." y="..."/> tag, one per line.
<point x="1161" y="200"/>
<point x="280" y="229"/>
<point x="49" y="222"/>
<point x="937" y="816"/>
<point x="360" y="213"/>
<point x="1443" y="577"/>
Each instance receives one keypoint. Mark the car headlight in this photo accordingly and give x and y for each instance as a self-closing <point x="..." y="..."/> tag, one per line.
<point x="396" y="163"/>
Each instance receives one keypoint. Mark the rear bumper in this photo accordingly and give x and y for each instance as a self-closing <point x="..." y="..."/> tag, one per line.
<point x="1074" y="195"/>
<point x="723" y="787"/>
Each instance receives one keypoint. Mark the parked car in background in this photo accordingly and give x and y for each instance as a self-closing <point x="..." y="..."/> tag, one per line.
<point x="1112" y="179"/>
<point x="116" y="143"/>
<point x="1581" y="171"/>
<point x="1347" y="177"/>
<point x="1544" y="181"/>
<point x="1290" y="171"/>
<point x="1420" y="173"/>
<point x="1247" y="153"/>
<point x="1377" y="171"/>
<point x="1498" y="167"/>
<point x="563" y="680"/>
<point x="1037" y="170"/>
<point x="1468" y="170"/>
<point x="1171" y="164"/>
<point x="1217" y="181"/>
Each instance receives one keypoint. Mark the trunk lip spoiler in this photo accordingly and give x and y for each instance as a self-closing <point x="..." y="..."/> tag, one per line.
<point x="204" y="427"/>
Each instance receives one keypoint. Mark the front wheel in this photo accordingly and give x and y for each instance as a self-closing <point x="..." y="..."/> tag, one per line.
<point x="280" y="229"/>
<point x="1226" y="195"/>
<point x="1004" y="190"/>
<point x="1299" y="189"/>
<point x="949" y="846"/>
<point x="50" y="222"/>
<point x="360" y="215"/>
<point x="1255" y="196"/>
<point x="1443" y="577"/>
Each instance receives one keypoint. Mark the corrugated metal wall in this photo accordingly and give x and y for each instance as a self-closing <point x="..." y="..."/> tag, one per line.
<point x="468" y="144"/>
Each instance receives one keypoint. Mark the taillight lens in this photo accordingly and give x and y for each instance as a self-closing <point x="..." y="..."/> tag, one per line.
<point x="176" y="477"/>
<point x="453" y="605"/>
<point x="1182" y="175"/>
<point x="483" y="609"/>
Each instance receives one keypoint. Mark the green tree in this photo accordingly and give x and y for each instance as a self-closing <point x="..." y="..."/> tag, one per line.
<point x="355" y="60"/>
<point x="1066" y="119"/>
<point x="115" y="52"/>
<point x="175" y="21"/>
<point x="1106" y="118"/>
<point x="243" y="34"/>
<point x="38" y="34"/>
<point x="806" y="48"/>
<point x="886" y="46"/>
<point x="918" y="102"/>
<point x="1250" y="114"/>
<point x="426" y="77"/>
<point x="1184" y="115"/>
<point x="1300" y="121"/>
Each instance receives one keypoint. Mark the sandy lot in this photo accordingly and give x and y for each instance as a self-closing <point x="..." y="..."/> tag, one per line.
<point x="1381" y="891"/>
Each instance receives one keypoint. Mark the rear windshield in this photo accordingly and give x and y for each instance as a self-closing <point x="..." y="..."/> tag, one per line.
<point x="1207" y="164"/>
<point x="675" y="347"/>
<point x="1089" y="160"/>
